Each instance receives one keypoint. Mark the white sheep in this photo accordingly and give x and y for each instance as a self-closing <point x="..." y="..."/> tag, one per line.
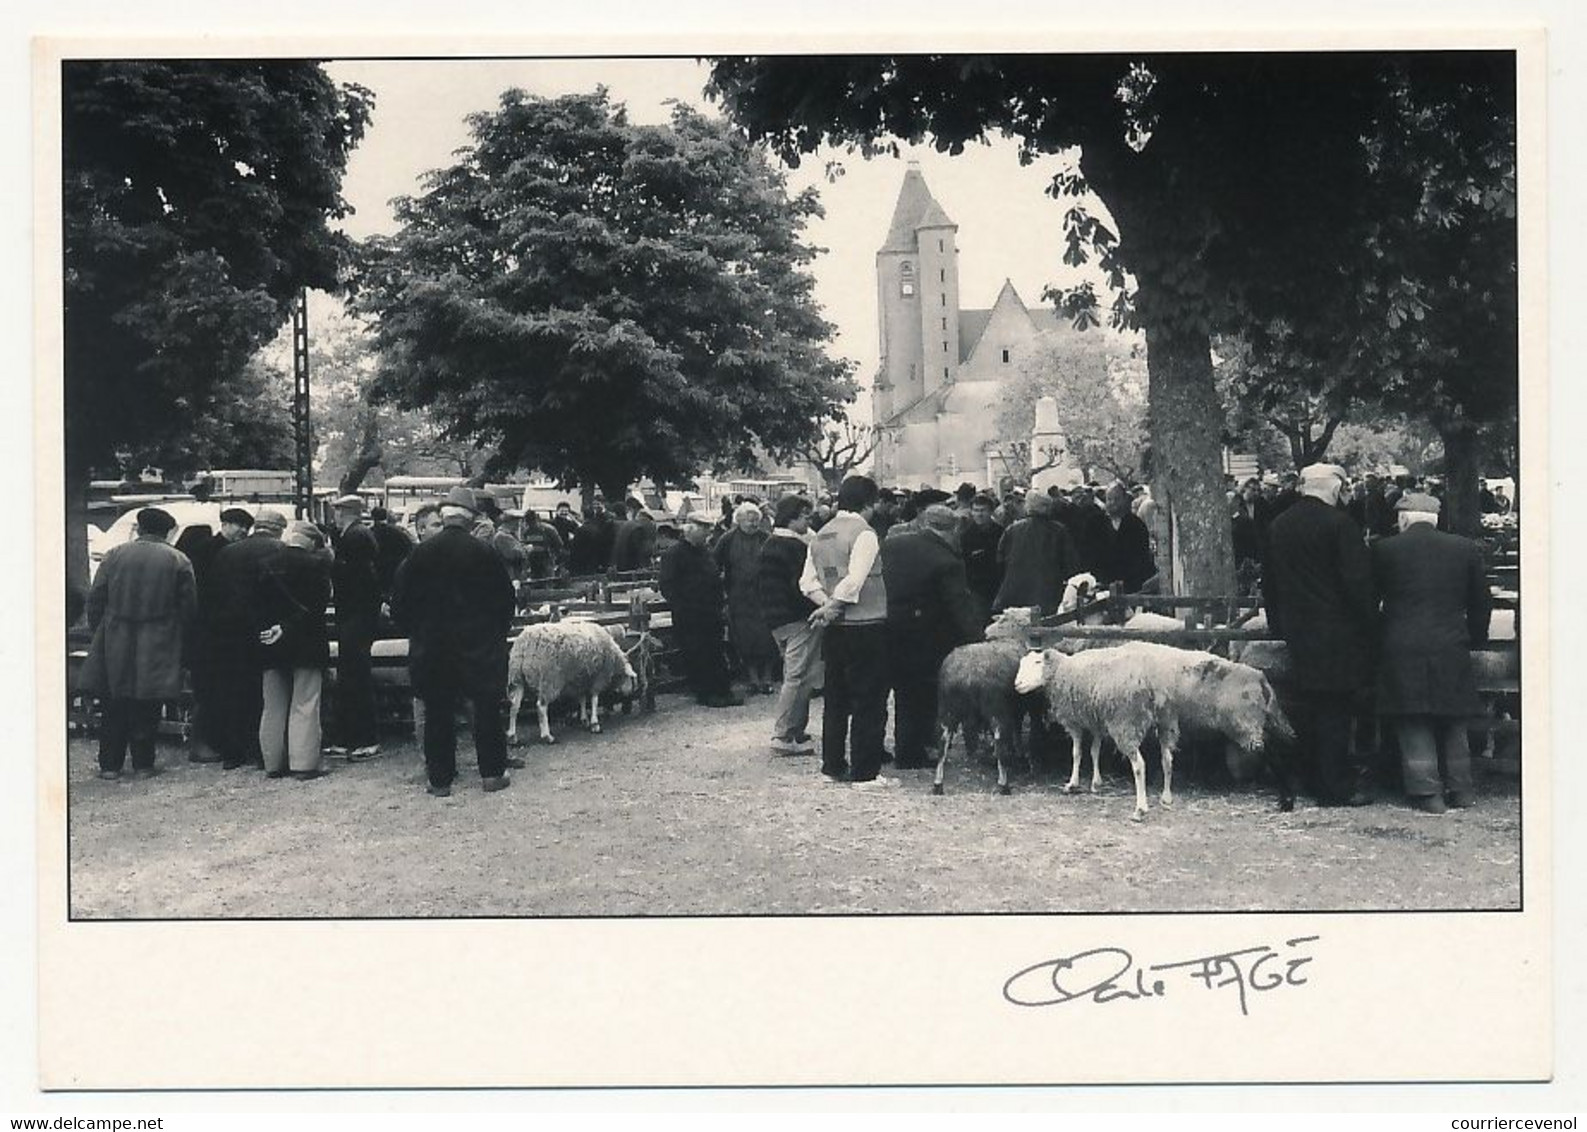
<point x="975" y="688"/>
<point x="1126" y="692"/>
<point x="557" y="658"/>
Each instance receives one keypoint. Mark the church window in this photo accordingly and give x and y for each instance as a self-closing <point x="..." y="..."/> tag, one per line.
<point x="942" y="275"/>
<point x="944" y="347"/>
<point x="945" y="324"/>
<point x="939" y="245"/>
<point x="1005" y="357"/>
<point x="944" y="299"/>
<point x="944" y="371"/>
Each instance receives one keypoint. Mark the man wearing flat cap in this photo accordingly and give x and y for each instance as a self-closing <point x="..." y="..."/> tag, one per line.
<point x="1320" y="600"/>
<point x="231" y="598"/>
<point x="1435" y="607"/>
<point x="455" y="601"/>
<point x="142" y="597"/>
<point x="356" y="594"/>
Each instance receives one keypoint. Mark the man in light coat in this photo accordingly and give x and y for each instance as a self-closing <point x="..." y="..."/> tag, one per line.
<point x="142" y="598"/>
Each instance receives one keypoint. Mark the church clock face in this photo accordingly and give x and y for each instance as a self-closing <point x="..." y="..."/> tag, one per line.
<point x="907" y="288"/>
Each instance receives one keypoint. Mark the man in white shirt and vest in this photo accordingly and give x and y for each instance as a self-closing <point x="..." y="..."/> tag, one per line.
<point x="845" y="562"/>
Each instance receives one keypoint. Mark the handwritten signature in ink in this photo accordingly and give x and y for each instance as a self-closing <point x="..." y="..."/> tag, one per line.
<point x="1108" y="974"/>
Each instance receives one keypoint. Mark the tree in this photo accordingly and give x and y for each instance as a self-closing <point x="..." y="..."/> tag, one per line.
<point x="1240" y="186"/>
<point x="842" y="446"/>
<point x="195" y="202"/>
<point x="603" y="301"/>
<point x="1274" y="387"/>
<point x="1100" y="388"/>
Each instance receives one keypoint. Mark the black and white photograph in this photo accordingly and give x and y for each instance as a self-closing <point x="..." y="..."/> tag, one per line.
<point x="792" y="485"/>
<point x="1077" y="490"/>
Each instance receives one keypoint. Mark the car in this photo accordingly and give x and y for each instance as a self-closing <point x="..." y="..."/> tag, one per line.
<point x="187" y="513"/>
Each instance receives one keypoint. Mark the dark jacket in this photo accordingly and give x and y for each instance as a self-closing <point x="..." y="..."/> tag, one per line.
<point x="591" y="551"/>
<point x="1320" y="599"/>
<point x="454" y="600"/>
<point x="543" y="544"/>
<point x="633" y="544"/>
<point x="294" y="591"/>
<point x="782" y="563"/>
<point x="356" y="581"/>
<point x="691" y="584"/>
<point x="1249" y="529"/>
<point x="142" y="597"/>
<point x="1085" y="522"/>
<point x="928" y="597"/>
<point x="982" y="569"/>
<point x="1435" y="607"/>
<point x="1038" y="557"/>
<point x="392" y="547"/>
<point x="1124" y="554"/>
<point x="233" y="586"/>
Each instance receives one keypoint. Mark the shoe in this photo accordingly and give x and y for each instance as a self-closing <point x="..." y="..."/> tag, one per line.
<point x="439" y="791"/>
<point x="308" y="775"/>
<point x="1430" y="804"/>
<point x="275" y="774"/>
<point x="515" y="763"/>
<point x="792" y="747"/>
<point x="500" y="782"/>
<point x="203" y="757"/>
<point x="110" y="775"/>
<point x="841" y="778"/>
<point x="335" y="752"/>
<point x="1459" y="800"/>
<point x="878" y="783"/>
<point x="359" y="754"/>
<point x="803" y="737"/>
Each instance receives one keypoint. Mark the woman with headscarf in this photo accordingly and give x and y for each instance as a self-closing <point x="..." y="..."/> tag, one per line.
<point x="738" y="557"/>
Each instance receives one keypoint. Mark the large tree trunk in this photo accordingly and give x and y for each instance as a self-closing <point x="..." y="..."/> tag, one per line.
<point x="368" y="456"/>
<point x="77" y="479"/>
<point x="1462" y="500"/>
<point x="1185" y="419"/>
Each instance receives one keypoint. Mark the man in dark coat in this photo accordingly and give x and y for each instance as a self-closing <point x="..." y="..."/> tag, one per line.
<point x="1085" y="521"/>
<point x="634" y="542"/>
<point x="392" y="547"/>
<point x="1124" y="546"/>
<point x="355" y="577"/>
<point x="455" y="601"/>
<point x="930" y="612"/>
<point x="1320" y="600"/>
<point x="142" y="599"/>
<point x="692" y="585"/>
<point x="978" y="542"/>
<point x="236" y="673"/>
<point x="1038" y="557"/>
<point x="591" y="551"/>
<point x="235" y="523"/>
<point x="1435" y="607"/>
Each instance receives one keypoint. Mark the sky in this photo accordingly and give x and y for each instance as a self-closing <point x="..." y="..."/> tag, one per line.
<point x="1008" y="228"/>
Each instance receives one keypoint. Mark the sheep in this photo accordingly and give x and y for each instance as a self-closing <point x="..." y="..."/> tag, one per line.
<point x="1125" y="692"/>
<point x="975" y="687"/>
<point x="641" y="656"/>
<point x="558" y="657"/>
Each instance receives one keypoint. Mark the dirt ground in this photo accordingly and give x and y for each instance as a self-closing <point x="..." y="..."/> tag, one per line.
<point x="686" y="812"/>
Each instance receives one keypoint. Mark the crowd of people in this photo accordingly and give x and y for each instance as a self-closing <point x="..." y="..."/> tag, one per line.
<point x="863" y="593"/>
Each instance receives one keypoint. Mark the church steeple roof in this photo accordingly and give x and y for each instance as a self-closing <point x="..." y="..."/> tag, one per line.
<point x="1009" y="295"/>
<point x="916" y="208"/>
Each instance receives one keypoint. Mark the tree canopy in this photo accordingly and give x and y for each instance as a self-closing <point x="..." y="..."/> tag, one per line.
<point x="601" y="300"/>
<point x="196" y="196"/>
<point x="1247" y="190"/>
<point x="1100" y="387"/>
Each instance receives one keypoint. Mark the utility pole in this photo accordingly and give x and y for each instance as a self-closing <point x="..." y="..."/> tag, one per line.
<point x="301" y="432"/>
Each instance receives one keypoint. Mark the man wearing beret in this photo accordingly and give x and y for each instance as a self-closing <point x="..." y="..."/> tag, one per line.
<point x="1435" y="607"/>
<point x="1320" y="600"/>
<point x="355" y="581"/>
<point x="142" y="597"/>
<point x="236" y="674"/>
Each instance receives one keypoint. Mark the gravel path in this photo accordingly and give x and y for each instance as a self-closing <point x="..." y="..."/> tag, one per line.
<point x="686" y="812"/>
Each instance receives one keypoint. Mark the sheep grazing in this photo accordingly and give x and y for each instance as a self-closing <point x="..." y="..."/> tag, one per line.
<point x="641" y="655"/>
<point x="558" y="658"/>
<point x="1124" y="693"/>
<point x="975" y="688"/>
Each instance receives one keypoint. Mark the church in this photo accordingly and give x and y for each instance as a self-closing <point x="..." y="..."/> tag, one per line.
<point x="937" y="389"/>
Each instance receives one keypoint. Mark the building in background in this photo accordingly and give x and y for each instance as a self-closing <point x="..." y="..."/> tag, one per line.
<point x="935" y="399"/>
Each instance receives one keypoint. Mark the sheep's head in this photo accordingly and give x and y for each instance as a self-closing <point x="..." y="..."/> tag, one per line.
<point x="628" y="682"/>
<point x="1032" y="672"/>
<point x="1012" y="624"/>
